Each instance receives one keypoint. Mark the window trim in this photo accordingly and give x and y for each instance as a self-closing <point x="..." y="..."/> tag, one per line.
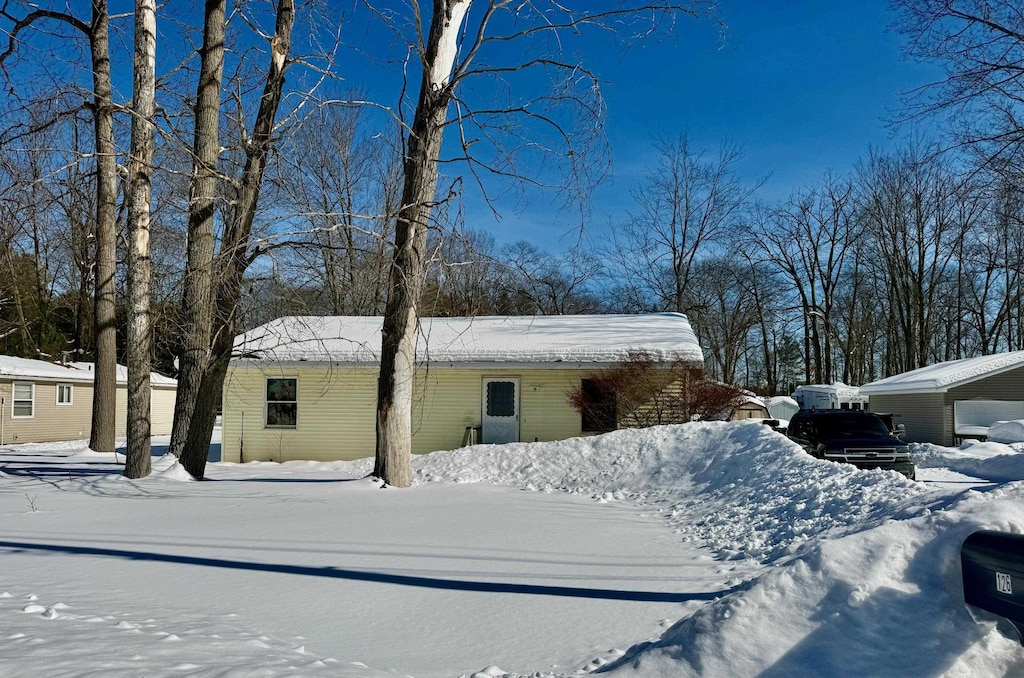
<point x="71" y="394"/>
<point x="15" y="400"/>
<point x="267" y="403"/>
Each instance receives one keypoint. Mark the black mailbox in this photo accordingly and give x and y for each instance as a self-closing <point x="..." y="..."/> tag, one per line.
<point x="993" y="571"/>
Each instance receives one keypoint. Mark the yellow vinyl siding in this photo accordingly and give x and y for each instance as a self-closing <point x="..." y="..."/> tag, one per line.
<point x="161" y="410"/>
<point x="546" y="413"/>
<point x="335" y="418"/>
<point x="52" y="422"/>
<point x="121" y="411"/>
<point x="49" y="421"/>
<point x="337" y="410"/>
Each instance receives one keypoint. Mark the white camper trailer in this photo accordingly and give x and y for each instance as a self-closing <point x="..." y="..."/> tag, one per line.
<point x="837" y="396"/>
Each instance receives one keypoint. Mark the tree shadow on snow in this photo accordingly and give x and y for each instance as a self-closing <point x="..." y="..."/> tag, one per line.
<point x="45" y="472"/>
<point x="213" y="454"/>
<point x="369" y="575"/>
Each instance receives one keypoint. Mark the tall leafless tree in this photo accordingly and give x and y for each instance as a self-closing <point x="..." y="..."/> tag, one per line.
<point x="685" y="208"/>
<point x="103" y="429"/>
<point x="236" y="251"/>
<point x="104" y="410"/>
<point x="140" y="167"/>
<point x="807" y="240"/>
<point x="980" y="43"/>
<point x="909" y="205"/>
<point x="198" y="297"/>
<point x="454" y="49"/>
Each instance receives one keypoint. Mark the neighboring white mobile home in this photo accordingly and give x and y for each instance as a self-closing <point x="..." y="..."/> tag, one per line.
<point x="837" y="396"/>
<point x="306" y="387"/>
<point x="45" y="402"/>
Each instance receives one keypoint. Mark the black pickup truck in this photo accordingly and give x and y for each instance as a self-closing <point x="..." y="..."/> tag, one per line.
<point x="851" y="436"/>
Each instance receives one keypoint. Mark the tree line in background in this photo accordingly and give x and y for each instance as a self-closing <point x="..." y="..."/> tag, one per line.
<point x="912" y="258"/>
<point x="271" y="199"/>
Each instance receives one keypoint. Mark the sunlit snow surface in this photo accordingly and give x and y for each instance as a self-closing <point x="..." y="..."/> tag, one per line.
<point x="696" y="550"/>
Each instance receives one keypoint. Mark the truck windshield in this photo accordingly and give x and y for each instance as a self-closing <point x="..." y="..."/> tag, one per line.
<point x="852" y="427"/>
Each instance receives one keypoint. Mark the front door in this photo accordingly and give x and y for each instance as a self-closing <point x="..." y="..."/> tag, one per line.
<point x="500" y="419"/>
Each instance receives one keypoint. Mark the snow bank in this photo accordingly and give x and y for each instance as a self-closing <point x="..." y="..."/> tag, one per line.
<point x="1007" y="431"/>
<point x="885" y="601"/>
<point x="991" y="461"/>
<point x="863" y="566"/>
<point x="845" y="572"/>
<point x="737" y="488"/>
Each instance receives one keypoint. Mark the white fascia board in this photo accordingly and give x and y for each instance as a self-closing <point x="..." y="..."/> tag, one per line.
<point x="900" y="390"/>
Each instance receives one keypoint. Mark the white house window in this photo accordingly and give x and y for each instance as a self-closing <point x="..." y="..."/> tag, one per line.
<point x="64" y="394"/>
<point x="23" y="404"/>
<point x="282" y="403"/>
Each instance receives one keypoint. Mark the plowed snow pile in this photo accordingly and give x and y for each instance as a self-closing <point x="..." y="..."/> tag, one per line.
<point x="811" y="568"/>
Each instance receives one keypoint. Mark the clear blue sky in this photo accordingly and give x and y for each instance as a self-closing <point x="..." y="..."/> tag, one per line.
<point x="801" y="86"/>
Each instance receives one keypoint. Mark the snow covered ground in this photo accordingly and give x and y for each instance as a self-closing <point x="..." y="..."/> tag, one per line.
<point x="698" y="550"/>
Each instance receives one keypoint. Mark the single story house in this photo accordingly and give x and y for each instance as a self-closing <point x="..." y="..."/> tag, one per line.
<point x="306" y="387"/>
<point x="44" y="402"/>
<point x="945" y="402"/>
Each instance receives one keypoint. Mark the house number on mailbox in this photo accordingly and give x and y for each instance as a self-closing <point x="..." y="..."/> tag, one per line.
<point x="1004" y="584"/>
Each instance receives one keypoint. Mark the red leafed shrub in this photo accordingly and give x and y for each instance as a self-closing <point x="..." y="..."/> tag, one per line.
<point x="642" y="392"/>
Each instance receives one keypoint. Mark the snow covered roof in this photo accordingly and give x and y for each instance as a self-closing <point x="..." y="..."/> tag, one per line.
<point x="838" y="388"/>
<point x="780" y="400"/>
<point x="26" y="368"/>
<point x="666" y="337"/>
<point x="941" y="377"/>
<point x="751" y="398"/>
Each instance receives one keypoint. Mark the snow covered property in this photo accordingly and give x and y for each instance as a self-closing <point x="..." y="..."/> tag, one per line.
<point x="699" y="550"/>
<point x="948" y="401"/>
<point x="42" y="401"/>
<point x="305" y="387"/>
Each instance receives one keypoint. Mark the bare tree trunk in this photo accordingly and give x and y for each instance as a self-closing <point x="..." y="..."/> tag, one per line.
<point x="398" y="341"/>
<point x="198" y="301"/>
<point x="140" y="338"/>
<point x="102" y="430"/>
<point x="104" y="395"/>
<point x="235" y="259"/>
